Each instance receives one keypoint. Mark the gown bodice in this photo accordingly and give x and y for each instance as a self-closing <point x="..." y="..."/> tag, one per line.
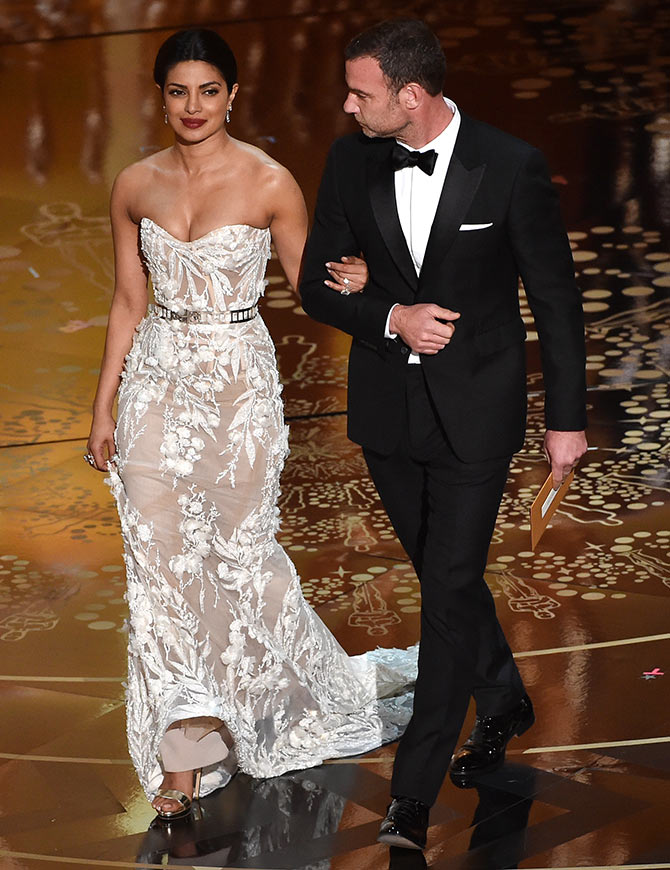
<point x="220" y="271"/>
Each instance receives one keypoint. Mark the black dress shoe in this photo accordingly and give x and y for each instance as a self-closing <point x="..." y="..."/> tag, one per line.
<point x="484" y="750"/>
<point x="405" y="824"/>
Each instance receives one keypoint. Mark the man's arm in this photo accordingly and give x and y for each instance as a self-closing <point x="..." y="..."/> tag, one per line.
<point x="362" y="315"/>
<point x="424" y="327"/>
<point x="546" y="267"/>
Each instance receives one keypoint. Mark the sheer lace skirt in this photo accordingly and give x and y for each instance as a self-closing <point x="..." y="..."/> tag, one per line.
<point x="218" y="625"/>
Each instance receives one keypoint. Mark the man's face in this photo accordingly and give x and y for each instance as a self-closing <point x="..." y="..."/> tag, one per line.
<point x="376" y="108"/>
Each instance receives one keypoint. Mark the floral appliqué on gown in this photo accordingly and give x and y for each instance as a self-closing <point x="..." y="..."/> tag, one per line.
<point x="218" y="624"/>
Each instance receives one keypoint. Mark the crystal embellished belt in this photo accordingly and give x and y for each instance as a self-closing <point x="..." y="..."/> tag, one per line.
<point x="240" y="315"/>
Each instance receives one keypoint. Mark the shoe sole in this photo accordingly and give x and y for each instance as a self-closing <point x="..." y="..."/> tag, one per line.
<point x="397" y="840"/>
<point x="467" y="775"/>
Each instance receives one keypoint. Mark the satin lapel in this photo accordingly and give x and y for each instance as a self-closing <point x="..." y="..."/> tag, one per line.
<point x="384" y="207"/>
<point x="460" y="187"/>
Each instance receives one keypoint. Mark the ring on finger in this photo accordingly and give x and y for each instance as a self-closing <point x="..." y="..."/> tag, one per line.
<point x="345" y="281"/>
<point x="88" y="457"/>
<point x="345" y="292"/>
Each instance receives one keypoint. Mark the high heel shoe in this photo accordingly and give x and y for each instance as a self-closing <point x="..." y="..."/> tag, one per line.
<point x="185" y="802"/>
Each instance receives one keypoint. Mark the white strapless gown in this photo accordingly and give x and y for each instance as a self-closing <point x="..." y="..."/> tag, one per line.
<point x="218" y="623"/>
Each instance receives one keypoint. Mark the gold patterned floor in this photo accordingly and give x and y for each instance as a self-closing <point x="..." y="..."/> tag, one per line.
<point x="587" y="614"/>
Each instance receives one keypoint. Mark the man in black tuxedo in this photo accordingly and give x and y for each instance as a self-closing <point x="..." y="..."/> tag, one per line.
<point x="449" y="213"/>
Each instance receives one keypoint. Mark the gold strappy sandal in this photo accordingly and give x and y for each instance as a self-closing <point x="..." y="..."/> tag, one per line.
<point x="185" y="802"/>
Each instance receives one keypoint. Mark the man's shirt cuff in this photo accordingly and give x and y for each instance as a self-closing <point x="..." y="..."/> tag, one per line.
<point x="387" y="329"/>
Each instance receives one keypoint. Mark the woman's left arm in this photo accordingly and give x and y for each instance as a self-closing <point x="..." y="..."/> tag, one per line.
<point x="289" y="234"/>
<point x="288" y="224"/>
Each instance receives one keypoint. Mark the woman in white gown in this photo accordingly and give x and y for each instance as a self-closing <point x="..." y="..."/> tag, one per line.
<point x="228" y="665"/>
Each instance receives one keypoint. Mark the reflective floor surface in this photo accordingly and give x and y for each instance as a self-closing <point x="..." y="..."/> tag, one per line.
<point x="587" y="613"/>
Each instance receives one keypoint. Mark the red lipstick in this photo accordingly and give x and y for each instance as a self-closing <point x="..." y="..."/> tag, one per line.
<point x="193" y="123"/>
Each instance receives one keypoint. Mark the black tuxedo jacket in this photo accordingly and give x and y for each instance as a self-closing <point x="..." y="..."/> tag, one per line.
<point x="478" y="380"/>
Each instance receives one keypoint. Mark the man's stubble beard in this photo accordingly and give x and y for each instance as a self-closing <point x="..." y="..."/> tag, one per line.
<point x="393" y="133"/>
<point x="384" y="134"/>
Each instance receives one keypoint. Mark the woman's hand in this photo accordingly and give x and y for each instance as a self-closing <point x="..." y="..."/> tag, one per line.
<point x="350" y="275"/>
<point x="101" y="444"/>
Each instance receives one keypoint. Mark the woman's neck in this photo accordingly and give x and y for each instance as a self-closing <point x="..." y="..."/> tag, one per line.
<point x="198" y="157"/>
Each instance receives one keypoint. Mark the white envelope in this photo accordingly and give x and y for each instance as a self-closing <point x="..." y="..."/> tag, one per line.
<point x="465" y="227"/>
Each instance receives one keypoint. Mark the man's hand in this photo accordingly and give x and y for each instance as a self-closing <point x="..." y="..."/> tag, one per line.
<point x="423" y="326"/>
<point x="563" y="451"/>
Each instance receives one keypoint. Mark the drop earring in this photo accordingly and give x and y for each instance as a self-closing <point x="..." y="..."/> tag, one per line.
<point x="228" y="115"/>
<point x="165" y="115"/>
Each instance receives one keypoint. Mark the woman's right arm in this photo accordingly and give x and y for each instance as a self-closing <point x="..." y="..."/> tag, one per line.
<point x="129" y="305"/>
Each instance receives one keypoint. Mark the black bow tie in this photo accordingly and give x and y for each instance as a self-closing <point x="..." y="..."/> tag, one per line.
<point x="401" y="158"/>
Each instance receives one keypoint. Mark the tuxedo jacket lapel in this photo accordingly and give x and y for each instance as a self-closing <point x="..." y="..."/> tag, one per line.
<point x="460" y="187"/>
<point x="458" y="191"/>
<point x="382" y="197"/>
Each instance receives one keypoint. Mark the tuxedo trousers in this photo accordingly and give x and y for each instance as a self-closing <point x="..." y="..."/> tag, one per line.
<point x="443" y="511"/>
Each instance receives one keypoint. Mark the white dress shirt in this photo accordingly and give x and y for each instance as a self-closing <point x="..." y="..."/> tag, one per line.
<point x="417" y="195"/>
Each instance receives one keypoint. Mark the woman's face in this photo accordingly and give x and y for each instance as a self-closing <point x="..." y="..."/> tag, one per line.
<point x="196" y="99"/>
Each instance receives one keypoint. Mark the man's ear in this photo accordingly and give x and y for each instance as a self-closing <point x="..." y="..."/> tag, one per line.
<point x="412" y="95"/>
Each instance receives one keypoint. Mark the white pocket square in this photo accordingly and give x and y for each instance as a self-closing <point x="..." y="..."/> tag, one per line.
<point x="465" y="227"/>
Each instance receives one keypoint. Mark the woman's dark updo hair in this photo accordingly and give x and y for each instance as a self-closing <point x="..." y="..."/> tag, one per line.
<point x="199" y="44"/>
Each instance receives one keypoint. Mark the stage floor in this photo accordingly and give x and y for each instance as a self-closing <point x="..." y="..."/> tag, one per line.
<point x="587" y="614"/>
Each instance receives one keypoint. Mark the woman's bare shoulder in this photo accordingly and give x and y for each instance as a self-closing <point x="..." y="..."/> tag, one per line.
<point x="277" y="189"/>
<point x="144" y="170"/>
<point x="136" y="180"/>
<point x="265" y="168"/>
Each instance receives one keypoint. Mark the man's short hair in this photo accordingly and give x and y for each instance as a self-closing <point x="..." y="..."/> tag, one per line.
<point x="406" y="50"/>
